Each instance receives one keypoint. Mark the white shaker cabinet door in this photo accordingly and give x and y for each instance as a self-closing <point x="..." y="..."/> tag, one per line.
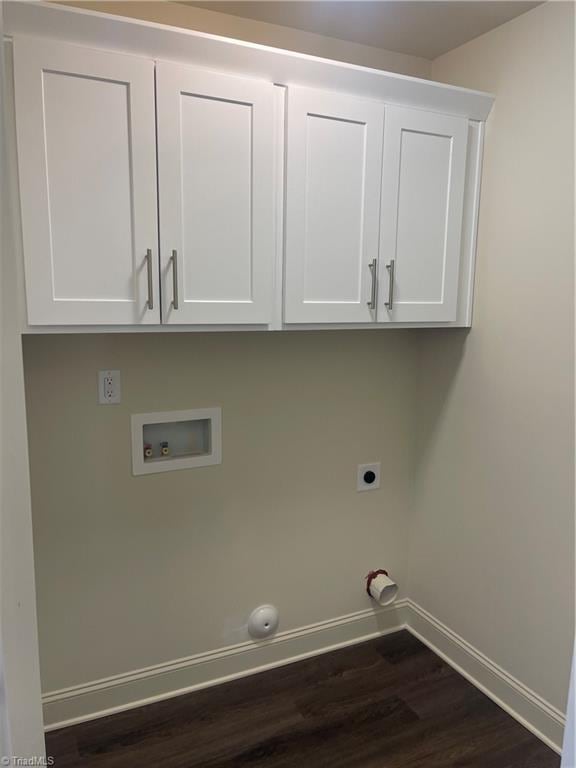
<point x="422" y="203"/>
<point x="216" y="186"/>
<point x="87" y="166"/>
<point x="333" y="173"/>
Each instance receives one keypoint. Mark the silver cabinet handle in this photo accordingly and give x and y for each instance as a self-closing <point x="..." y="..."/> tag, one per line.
<point x="150" y="283"/>
<point x="372" y="266"/>
<point x="174" y="261"/>
<point x="390" y="303"/>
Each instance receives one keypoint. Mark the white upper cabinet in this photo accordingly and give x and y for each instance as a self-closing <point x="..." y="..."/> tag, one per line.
<point x="87" y="164"/>
<point x="157" y="192"/>
<point x="333" y="173"/>
<point x="422" y="204"/>
<point x="216" y="185"/>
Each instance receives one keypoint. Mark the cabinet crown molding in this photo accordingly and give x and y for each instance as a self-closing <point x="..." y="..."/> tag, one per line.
<point x="157" y="41"/>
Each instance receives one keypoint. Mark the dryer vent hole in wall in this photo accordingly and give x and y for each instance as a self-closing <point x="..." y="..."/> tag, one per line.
<point x="380" y="587"/>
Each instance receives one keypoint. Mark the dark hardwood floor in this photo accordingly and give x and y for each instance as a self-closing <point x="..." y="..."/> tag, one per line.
<point x="388" y="703"/>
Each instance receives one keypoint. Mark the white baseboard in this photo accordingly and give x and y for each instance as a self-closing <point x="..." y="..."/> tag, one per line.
<point x="163" y="681"/>
<point x="527" y="707"/>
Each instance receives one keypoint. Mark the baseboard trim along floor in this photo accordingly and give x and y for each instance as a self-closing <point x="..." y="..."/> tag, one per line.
<point x="526" y="706"/>
<point x="144" y="686"/>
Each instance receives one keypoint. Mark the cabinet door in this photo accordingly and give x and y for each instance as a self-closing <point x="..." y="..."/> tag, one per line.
<point x="334" y="153"/>
<point x="216" y="183"/>
<point x="422" y="200"/>
<point x="87" y="166"/>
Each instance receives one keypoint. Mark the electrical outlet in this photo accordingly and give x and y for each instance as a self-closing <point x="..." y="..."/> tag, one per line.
<point x="109" y="387"/>
<point x="368" y="477"/>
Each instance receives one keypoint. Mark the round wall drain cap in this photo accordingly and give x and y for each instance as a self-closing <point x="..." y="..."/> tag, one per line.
<point x="263" y="622"/>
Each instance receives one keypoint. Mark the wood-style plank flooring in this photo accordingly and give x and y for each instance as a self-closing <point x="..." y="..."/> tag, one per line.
<point x="388" y="703"/>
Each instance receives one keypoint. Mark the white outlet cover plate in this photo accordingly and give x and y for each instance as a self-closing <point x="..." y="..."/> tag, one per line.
<point x="109" y="392"/>
<point x="361" y="484"/>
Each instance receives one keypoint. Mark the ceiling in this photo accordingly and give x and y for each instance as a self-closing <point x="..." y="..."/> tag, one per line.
<point x="426" y="28"/>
